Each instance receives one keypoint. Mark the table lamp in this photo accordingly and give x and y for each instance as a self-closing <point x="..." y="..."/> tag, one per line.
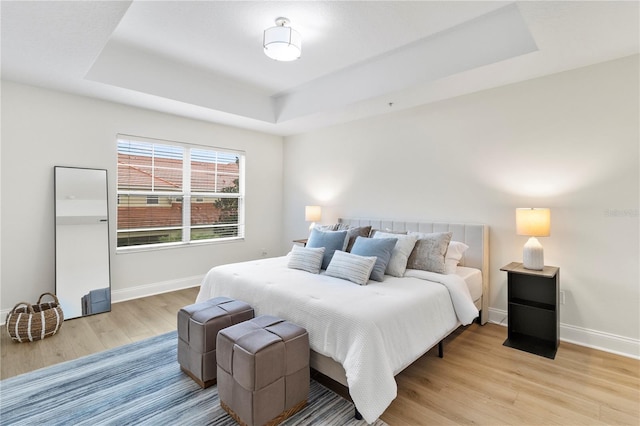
<point x="312" y="214"/>
<point x="533" y="222"/>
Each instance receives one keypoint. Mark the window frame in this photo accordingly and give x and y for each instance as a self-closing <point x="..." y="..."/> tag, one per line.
<point x="186" y="194"/>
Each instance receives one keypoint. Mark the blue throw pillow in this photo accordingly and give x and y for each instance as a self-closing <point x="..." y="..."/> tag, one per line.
<point x="330" y="240"/>
<point x="381" y="248"/>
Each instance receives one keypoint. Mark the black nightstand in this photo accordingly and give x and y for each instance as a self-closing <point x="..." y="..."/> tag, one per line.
<point x="533" y="313"/>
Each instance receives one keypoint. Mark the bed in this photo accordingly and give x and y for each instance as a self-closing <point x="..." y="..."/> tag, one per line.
<point x="362" y="336"/>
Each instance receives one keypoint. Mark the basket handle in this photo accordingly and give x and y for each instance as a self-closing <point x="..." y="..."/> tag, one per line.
<point x="50" y="294"/>
<point x="29" y="307"/>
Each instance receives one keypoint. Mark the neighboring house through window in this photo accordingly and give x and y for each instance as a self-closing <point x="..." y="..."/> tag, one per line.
<point x="173" y="193"/>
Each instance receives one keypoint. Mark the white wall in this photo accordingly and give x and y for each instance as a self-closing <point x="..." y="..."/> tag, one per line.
<point x="42" y="129"/>
<point x="567" y="141"/>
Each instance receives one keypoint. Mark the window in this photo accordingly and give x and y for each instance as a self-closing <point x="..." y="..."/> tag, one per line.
<point x="172" y="193"/>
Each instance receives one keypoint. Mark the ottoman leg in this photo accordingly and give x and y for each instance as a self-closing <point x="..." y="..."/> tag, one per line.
<point x="196" y="379"/>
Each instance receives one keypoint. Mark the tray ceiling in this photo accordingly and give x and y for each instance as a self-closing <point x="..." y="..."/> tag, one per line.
<point x="204" y="59"/>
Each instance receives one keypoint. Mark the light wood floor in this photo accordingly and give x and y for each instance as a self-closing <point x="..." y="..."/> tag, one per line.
<point x="478" y="381"/>
<point x="127" y="322"/>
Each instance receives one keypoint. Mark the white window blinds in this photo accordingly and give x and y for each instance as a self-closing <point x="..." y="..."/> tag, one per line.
<point x="175" y="193"/>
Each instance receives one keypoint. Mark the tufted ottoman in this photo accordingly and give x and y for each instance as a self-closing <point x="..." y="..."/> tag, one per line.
<point x="198" y="327"/>
<point x="263" y="370"/>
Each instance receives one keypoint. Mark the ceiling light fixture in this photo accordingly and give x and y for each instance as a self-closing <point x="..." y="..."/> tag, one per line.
<point x="281" y="42"/>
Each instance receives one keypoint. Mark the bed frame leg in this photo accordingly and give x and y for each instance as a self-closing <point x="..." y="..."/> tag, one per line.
<point x="440" y="349"/>
<point x="357" y="414"/>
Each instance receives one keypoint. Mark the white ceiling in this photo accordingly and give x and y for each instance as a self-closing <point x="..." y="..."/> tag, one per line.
<point x="204" y="59"/>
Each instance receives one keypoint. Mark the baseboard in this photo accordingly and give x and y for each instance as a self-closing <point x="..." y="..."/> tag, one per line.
<point x="608" y="342"/>
<point x="595" y="339"/>
<point x="139" y="291"/>
<point x="155" y="288"/>
<point x="498" y="316"/>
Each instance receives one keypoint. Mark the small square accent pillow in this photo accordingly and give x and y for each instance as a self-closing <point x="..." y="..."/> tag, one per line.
<point x="330" y="240"/>
<point x="381" y="248"/>
<point x="306" y="259"/>
<point x="430" y="251"/>
<point x="349" y="266"/>
<point x="400" y="254"/>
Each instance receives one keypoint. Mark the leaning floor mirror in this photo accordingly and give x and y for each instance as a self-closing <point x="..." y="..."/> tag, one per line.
<point x="83" y="283"/>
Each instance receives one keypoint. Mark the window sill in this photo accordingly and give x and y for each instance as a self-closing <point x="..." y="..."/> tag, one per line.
<point x="169" y="246"/>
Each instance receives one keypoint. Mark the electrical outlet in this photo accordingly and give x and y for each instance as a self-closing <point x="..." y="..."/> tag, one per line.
<point x="562" y="297"/>
<point x="264" y="252"/>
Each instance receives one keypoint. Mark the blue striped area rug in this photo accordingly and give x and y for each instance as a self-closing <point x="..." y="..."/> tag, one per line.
<point x="138" y="384"/>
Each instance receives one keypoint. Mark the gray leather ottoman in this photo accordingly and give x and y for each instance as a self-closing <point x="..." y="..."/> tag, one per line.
<point x="198" y="327"/>
<point x="263" y="370"/>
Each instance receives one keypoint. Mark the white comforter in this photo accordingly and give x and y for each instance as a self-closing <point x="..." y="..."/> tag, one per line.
<point x="374" y="331"/>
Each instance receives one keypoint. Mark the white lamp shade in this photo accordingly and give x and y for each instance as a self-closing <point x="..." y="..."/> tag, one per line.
<point x="312" y="213"/>
<point x="282" y="43"/>
<point x="534" y="222"/>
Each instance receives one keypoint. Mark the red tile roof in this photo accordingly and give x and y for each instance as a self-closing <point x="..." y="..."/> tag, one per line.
<point x="136" y="172"/>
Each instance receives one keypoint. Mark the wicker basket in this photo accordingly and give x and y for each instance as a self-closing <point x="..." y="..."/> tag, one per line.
<point x="35" y="322"/>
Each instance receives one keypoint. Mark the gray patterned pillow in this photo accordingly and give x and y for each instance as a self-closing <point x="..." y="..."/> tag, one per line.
<point x="429" y="251"/>
<point x="306" y="259"/>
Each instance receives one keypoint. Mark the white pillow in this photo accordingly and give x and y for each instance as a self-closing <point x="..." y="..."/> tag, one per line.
<point x="351" y="267"/>
<point x="305" y="258"/>
<point x="400" y="254"/>
<point x="454" y="254"/>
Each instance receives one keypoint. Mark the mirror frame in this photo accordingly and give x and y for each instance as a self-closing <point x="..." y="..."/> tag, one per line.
<point x="57" y="255"/>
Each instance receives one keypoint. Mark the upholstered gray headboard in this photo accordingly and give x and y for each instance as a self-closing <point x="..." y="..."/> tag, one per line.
<point x="476" y="236"/>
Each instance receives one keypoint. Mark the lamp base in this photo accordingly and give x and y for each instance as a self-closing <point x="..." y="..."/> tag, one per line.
<point x="533" y="255"/>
